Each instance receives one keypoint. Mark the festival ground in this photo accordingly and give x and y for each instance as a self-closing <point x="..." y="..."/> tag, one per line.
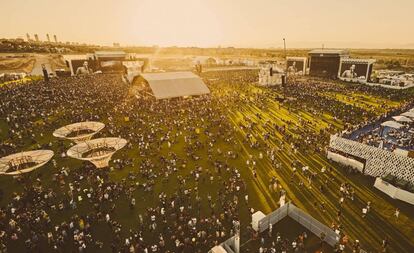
<point x="292" y="123"/>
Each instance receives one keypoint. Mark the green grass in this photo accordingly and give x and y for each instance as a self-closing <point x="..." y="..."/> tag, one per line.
<point x="251" y="105"/>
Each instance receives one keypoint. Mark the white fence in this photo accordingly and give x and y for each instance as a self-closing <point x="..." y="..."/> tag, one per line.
<point x="313" y="225"/>
<point x="302" y="218"/>
<point x="346" y="161"/>
<point x="273" y="217"/>
<point x="394" y="192"/>
<point x="229" y="245"/>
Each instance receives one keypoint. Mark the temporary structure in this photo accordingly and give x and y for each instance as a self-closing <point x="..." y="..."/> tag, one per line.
<point x="24" y="162"/>
<point x="97" y="151"/>
<point x="175" y="84"/>
<point x="402" y="119"/>
<point x="80" y="131"/>
<point x="392" y="124"/>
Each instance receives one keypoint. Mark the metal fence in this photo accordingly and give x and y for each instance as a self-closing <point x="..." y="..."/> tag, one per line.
<point x="313" y="225"/>
<point x="302" y="218"/>
<point x="299" y="216"/>
<point x="273" y="217"/>
<point x="229" y="245"/>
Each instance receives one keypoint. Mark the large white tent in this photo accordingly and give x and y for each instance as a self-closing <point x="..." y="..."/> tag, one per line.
<point x="175" y="84"/>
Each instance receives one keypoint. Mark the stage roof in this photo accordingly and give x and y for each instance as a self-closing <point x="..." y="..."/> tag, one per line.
<point x="329" y="51"/>
<point x="175" y="84"/>
<point x="110" y="54"/>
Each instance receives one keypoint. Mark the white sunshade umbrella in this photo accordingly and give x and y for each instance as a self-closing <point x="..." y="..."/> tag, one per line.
<point x="402" y="119"/>
<point x="408" y="114"/>
<point x="392" y="124"/>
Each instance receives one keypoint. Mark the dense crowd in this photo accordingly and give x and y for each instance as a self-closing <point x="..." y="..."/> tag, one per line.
<point x="179" y="186"/>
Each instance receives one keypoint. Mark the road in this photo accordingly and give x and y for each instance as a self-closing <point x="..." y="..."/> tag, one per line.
<point x="37" y="68"/>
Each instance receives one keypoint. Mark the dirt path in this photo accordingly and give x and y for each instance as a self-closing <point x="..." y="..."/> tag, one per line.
<point x="37" y="68"/>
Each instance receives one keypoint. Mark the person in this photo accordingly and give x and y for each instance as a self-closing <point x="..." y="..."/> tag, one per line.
<point x="45" y="73"/>
<point x="397" y="213"/>
<point x="84" y="70"/>
<point x="292" y="69"/>
<point x="350" y="73"/>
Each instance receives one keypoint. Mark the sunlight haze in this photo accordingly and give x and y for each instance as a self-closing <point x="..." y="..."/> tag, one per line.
<point x="212" y="23"/>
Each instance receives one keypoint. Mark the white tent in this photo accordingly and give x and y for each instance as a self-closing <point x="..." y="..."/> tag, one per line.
<point x="402" y="119"/>
<point x="392" y="124"/>
<point x="175" y="84"/>
<point x="409" y="114"/>
<point x="218" y="249"/>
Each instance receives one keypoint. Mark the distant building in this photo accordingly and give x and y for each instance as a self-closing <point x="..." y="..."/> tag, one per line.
<point x="55" y="38"/>
<point x="116" y="44"/>
<point x="36" y="37"/>
<point x="48" y="38"/>
<point x="28" y="37"/>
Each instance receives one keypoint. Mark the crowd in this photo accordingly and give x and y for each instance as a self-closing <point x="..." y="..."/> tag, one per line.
<point x="184" y="178"/>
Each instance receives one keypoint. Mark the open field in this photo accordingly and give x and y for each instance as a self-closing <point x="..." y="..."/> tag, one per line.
<point x="28" y="62"/>
<point x="243" y="136"/>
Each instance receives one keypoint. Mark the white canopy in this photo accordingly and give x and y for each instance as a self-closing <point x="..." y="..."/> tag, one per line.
<point x="218" y="249"/>
<point x="14" y="164"/>
<point x="392" y="124"/>
<point x="409" y="114"/>
<point x="402" y="119"/>
<point x="175" y="84"/>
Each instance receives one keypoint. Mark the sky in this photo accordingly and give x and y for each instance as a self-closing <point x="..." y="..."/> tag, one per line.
<point x="212" y="23"/>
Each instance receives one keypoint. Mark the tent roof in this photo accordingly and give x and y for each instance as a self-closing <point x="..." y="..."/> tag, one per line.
<point x="218" y="249"/>
<point x="110" y="54"/>
<point x="329" y="51"/>
<point x="409" y="114"/>
<point x="392" y="124"/>
<point x="175" y="84"/>
<point x="402" y="119"/>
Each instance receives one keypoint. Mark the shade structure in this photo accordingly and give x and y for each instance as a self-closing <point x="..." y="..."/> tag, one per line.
<point x="218" y="249"/>
<point x="80" y="131"/>
<point x="402" y="119"/>
<point x="24" y="162"/>
<point x="392" y="124"/>
<point x="175" y="84"/>
<point x="97" y="151"/>
<point x="408" y="114"/>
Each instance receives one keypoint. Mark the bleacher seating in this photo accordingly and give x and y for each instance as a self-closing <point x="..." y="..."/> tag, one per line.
<point x="379" y="162"/>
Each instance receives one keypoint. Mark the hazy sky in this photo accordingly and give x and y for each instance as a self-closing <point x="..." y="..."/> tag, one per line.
<point x="240" y="23"/>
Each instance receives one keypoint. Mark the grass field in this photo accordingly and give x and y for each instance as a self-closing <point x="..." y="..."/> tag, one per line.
<point x="248" y="112"/>
<point x="371" y="230"/>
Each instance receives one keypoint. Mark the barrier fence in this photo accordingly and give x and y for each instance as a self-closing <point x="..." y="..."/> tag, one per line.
<point x="302" y="218"/>
<point x="229" y="245"/>
<point x="306" y="220"/>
